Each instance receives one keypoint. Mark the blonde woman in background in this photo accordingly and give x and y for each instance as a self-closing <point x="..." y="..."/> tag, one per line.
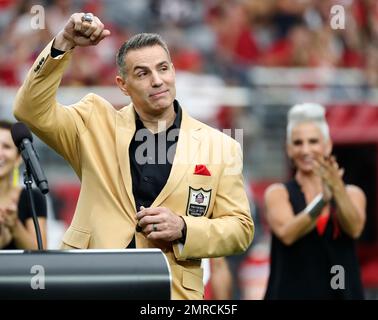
<point x="315" y="218"/>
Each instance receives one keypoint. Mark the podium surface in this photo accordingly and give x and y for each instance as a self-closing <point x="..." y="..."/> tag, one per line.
<point x="130" y="274"/>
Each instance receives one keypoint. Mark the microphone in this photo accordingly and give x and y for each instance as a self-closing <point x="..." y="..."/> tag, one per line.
<point x="23" y="139"/>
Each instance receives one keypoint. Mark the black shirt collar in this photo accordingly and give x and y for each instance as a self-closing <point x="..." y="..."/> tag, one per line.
<point x="176" y="123"/>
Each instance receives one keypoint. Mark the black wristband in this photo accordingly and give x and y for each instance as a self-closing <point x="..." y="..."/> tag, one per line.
<point x="315" y="207"/>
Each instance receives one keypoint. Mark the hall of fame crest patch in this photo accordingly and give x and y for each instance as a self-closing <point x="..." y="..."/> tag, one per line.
<point x="198" y="202"/>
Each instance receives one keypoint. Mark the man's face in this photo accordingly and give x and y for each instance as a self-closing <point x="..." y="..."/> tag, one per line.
<point x="149" y="81"/>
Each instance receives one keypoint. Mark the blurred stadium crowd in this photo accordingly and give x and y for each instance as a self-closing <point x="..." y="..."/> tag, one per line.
<point x="222" y="37"/>
<point x="225" y="39"/>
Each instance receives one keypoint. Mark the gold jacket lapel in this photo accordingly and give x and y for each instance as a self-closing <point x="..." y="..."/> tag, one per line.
<point x="187" y="148"/>
<point x="125" y="129"/>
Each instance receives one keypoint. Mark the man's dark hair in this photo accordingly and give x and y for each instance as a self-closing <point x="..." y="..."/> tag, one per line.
<point x="138" y="41"/>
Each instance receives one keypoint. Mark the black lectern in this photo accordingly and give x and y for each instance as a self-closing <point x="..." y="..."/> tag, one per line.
<point x="84" y="274"/>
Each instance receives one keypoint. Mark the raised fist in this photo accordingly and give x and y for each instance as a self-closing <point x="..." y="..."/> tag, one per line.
<point x="81" y="30"/>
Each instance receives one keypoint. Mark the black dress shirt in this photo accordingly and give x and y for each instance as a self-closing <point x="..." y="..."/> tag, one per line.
<point x="151" y="157"/>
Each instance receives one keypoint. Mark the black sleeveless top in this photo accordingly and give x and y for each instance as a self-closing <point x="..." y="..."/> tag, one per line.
<point x="303" y="269"/>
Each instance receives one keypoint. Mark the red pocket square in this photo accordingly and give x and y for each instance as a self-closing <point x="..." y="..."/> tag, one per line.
<point x="202" y="170"/>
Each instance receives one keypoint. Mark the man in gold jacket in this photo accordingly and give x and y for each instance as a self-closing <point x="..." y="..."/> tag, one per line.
<point x="191" y="206"/>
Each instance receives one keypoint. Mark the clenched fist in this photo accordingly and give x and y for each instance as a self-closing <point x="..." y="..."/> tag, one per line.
<point x="78" y="32"/>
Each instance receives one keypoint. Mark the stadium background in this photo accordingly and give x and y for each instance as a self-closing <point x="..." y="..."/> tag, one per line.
<point x="240" y="65"/>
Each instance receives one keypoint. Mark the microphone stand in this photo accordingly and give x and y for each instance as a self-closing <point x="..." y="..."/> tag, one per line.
<point x="28" y="185"/>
